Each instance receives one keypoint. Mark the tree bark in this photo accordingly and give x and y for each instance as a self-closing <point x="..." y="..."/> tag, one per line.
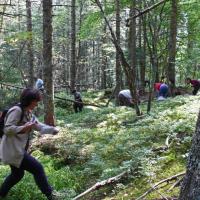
<point x="190" y="189"/>
<point x="30" y="45"/>
<point x="47" y="63"/>
<point x="172" y="45"/>
<point x="103" y="55"/>
<point x="118" y="71"/>
<point x="132" y="54"/>
<point x="142" y="46"/>
<point x="73" y="45"/>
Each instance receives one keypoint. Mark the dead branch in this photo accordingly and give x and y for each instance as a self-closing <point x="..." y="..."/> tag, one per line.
<point x="159" y="183"/>
<point x="64" y="5"/>
<point x="161" y="195"/>
<point x="175" y="184"/>
<point x="9" y="85"/>
<point x="147" y="9"/>
<point x="6" y="4"/>
<point x="101" y="184"/>
<point x="86" y="104"/>
<point x="11" y="15"/>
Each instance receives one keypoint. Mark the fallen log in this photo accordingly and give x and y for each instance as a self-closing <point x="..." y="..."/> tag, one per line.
<point x="86" y="104"/>
<point x="101" y="184"/>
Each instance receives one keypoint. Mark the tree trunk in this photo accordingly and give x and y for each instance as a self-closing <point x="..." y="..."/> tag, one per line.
<point x="190" y="189"/>
<point x="172" y="46"/>
<point x="129" y="71"/>
<point x="103" y="57"/>
<point x="47" y="63"/>
<point x="142" y="46"/>
<point x="1" y="17"/>
<point x="118" y="71"/>
<point x="132" y="54"/>
<point x="30" y="45"/>
<point x="73" y="45"/>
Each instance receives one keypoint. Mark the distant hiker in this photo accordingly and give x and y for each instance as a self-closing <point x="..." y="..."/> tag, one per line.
<point x="157" y="88"/>
<point x="78" y="104"/>
<point x="161" y="90"/>
<point x="195" y="84"/>
<point x="15" y="142"/>
<point x="125" y="98"/>
<point x="39" y="85"/>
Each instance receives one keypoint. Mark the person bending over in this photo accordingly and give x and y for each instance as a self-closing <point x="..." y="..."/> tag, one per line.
<point x="195" y="84"/>
<point x="125" y="98"/>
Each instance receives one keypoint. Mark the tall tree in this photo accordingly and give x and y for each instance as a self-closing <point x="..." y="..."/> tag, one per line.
<point x="73" y="45"/>
<point x="172" y="45"/>
<point x="30" y="44"/>
<point x="103" y="56"/>
<point x="190" y="189"/>
<point x="132" y="42"/>
<point x="47" y="63"/>
<point x="2" y="10"/>
<point x="129" y="70"/>
<point x="142" y="48"/>
<point x="118" y="71"/>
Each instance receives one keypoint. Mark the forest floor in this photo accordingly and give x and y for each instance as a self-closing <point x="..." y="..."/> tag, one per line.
<point x="100" y="143"/>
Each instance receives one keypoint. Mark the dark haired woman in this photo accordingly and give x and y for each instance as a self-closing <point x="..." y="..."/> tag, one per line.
<point x="15" y="142"/>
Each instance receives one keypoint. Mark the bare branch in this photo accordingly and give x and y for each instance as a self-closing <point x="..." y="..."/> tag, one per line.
<point x="159" y="183"/>
<point x="63" y="5"/>
<point x="86" y="104"/>
<point x="11" y="15"/>
<point x="7" y="4"/>
<point x="147" y="10"/>
<point x="101" y="184"/>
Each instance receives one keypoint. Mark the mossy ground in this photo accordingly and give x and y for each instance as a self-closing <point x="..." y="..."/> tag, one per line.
<point x="102" y="142"/>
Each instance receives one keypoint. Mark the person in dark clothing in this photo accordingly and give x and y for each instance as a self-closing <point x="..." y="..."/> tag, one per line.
<point x="15" y="141"/>
<point x="195" y="84"/>
<point x="78" y="104"/>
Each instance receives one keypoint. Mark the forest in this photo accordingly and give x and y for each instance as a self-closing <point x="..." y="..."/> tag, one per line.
<point x="98" y="69"/>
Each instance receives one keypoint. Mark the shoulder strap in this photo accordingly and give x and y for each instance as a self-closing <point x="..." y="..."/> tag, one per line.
<point x="22" y="114"/>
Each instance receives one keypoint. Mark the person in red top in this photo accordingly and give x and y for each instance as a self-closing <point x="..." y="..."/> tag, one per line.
<point x="157" y="88"/>
<point x="195" y="84"/>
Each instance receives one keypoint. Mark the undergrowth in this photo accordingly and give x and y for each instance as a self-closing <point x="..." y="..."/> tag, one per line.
<point x="99" y="143"/>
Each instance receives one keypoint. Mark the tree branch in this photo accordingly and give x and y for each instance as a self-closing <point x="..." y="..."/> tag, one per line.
<point x="11" y="15"/>
<point x="86" y="104"/>
<point x="159" y="183"/>
<point x="101" y="184"/>
<point x="6" y="4"/>
<point x="147" y="10"/>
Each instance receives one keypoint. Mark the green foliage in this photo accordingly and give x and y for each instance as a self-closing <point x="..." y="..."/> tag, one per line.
<point x="18" y="37"/>
<point x="8" y="98"/>
<point x="91" y="25"/>
<point x="112" y="144"/>
<point x="97" y="144"/>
